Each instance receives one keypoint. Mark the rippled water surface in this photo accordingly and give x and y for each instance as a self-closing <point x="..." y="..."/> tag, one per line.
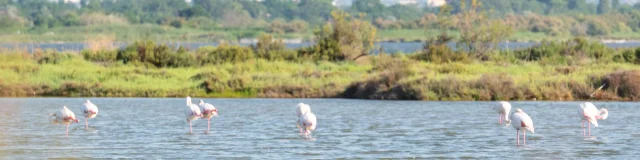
<point x="147" y="128"/>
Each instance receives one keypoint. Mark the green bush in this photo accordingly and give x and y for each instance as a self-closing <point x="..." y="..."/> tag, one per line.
<point x="224" y="54"/>
<point x="51" y="56"/>
<point x="147" y="52"/>
<point x="100" y="55"/>
<point x="629" y="56"/>
<point x="437" y="51"/>
<point x="271" y="49"/>
<point x="566" y="52"/>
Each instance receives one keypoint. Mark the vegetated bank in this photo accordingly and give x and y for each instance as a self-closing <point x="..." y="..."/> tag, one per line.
<point x="570" y="70"/>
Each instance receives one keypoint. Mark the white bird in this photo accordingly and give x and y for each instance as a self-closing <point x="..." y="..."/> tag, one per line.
<point x="89" y="110"/>
<point x="589" y="113"/>
<point x="208" y="111"/>
<point x="301" y="109"/>
<point x="308" y="122"/>
<point x="503" y="111"/>
<point x="521" y="121"/>
<point x="193" y="113"/>
<point x="63" y="116"/>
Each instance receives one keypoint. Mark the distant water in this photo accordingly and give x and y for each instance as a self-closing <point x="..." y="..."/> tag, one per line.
<point x="152" y="128"/>
<point x="388" y="47"/>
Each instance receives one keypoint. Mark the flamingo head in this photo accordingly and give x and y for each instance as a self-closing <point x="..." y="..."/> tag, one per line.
<point x="214" y="112"/>
<point x="201" y="102"/>
<point x="603" y="114"/>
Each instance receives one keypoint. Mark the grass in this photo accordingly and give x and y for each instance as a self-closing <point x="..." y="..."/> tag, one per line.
<point x="130" y="33"/>
<point x="22" y="75"/>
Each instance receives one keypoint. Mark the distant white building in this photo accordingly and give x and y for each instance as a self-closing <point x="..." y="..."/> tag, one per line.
<point x="406" y="2"/>
<point x="436" y="3"/>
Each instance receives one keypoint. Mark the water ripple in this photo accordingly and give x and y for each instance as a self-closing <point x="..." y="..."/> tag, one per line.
<point x="155" y="128"/>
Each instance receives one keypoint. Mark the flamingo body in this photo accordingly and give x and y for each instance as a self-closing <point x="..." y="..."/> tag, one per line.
<point x="89" y="110"/>
<point x="503" y="111"/>
<point x="308" y="121"/>
<point x="63" y="116"/>
<point x="301" y="109"/>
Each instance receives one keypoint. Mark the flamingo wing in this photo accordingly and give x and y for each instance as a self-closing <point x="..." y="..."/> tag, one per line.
<point x="309" y="121"/>
<point x="302" y="109"/>
<point x="89" y="109"/>
<point x="193" y="112"/>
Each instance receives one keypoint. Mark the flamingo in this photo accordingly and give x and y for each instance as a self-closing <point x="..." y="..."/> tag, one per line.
<point x="193" y="113"/>
<point x="308" y="122"/>
<point x="588" y="112"/>
<point x="90" y="110"/>
<point x="521" y="121"/>
<point x="208" y="111"/>
<point x="63" y="116"/>
<point x="301" y="109"/>
<point x="503" y="111"/>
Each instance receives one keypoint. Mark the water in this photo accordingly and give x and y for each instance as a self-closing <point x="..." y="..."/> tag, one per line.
<point x="388" y="47"/>
<point x="146" y="128"/>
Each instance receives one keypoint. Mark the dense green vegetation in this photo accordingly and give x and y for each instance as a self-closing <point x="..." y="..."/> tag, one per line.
<point x="215" y="20"/>
<point x="570" y="70"/>
<point x="339" y="64"/>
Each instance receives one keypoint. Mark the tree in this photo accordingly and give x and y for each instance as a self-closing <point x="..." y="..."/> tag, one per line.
<point x="477" y="33"/>
<point x="373" y="8"/>
<point x="315" y="11"/>
<point x="344" y="38"/>
<point x="281" y="9"/>
<point x="604" y="6"/>
<point x="405" y="12"/>
<point x="255" y="8"/>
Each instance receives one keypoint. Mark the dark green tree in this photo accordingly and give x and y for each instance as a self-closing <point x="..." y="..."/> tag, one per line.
<point x="373" y="8"/>
<point x="604" y="6"/>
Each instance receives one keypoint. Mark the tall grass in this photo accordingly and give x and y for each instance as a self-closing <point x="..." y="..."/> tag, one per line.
<point x="50" y="73"/>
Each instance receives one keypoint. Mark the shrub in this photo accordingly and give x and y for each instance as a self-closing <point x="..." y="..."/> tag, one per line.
<point x="570" y="51"/>
<point x="224" y="54"/>
<point x="100" y="55"/>
<point x="50" y="56"/>
<point x="147" y="52"/>
<point x="271" y="49"/>
<point x="496" y="87"/>
<point x="437" y="51"/>
<point x="624" y="84"/>
<point x="629" y="56"/>
<point x="346" y="38"/>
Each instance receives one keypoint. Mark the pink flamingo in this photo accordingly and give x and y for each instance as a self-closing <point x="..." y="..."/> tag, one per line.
<point x="208" y="111"/>
<point x="301" y="109"/>
<point x="521" y="121"/>
<point x="589" y="113"/>
<point x="63" y="116"/>
<point x="503" y="111"/>
<point x="193" y="113"/>
<point x="89" y="110"/>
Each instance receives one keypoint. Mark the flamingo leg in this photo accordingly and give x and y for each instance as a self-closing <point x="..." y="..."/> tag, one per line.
<point x="500" y="117"/>
<point x="190" y="129"/>
<point x="584" y="129"/>
<point x="86" y="123"/>
<point x="517" y="137"/>
<point x="67" y="134"/>
<point x="589" y="129"/>
<point x="524" y="136"/>
<point x="208" y="124"/>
